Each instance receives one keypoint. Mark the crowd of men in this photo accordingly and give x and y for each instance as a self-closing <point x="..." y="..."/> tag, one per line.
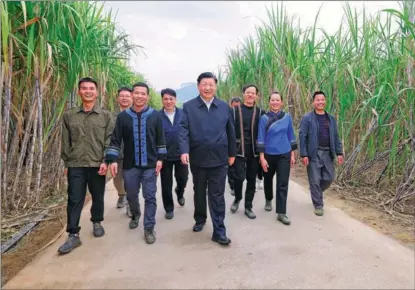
<point x="240" y="141"/>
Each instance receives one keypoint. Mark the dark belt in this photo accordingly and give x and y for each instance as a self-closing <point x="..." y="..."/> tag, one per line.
<point x="324" y="148"/>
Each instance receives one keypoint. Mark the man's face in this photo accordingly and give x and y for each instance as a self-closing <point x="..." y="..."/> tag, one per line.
<point x="140" y="96"/>
<point x="125" y="99"/>
<point x="169" y="102"/>
<point x="250" y="95"/>
<point x="319" y="102"/>
<point x="88" y="92"/>
<point x="233" y="104"/>
<point x="207" y="88"/>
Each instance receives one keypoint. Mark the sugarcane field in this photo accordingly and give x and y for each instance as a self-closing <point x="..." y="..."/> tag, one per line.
<point x="221" y="141"/>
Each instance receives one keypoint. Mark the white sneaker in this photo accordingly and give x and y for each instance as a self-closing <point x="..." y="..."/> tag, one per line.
<point x="259" y="184"/>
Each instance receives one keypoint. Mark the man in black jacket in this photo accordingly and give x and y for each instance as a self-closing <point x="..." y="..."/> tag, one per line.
<point x="207" y="140"/>
<point x="319" y="146"/>
<point x="140" y="129"/>
<point x="171" y="123"/>
<point x="246" y="163"/>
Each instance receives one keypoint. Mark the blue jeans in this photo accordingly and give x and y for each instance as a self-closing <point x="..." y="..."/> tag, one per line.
<point x="133" y="178"/>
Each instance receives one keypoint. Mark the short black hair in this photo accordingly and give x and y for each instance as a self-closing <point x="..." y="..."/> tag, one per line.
<point x="235" y="99"/>
<point x="206" y="75"/>
<point x="276" y="93"/>
<point x="318" y="93"/>
<point x="250" y="86"/>
<point x="143" y="85"/>
<point x="87" y="80"/>
<point x="121" y="89"/>
<point x="168" y="91"/>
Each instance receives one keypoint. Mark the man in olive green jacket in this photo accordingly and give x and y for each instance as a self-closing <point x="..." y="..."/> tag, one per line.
<point x="86" y="132"/>
<point x="125" y="100"/>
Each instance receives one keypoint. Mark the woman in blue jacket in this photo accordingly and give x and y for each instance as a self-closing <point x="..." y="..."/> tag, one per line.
<point x="276" y="144"/>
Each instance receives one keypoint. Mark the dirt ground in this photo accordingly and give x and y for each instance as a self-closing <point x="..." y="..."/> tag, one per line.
<point x="47" y="231"/>
<point x="364" y="211"/>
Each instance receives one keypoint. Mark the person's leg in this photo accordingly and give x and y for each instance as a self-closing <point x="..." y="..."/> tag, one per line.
<point x="181" y="174"/>
<point x="314" y="180"/>
<point x="260" y="177"/>
<point x="239" y="174"/>
<point x="216" y="197"/>
<point x="283" y="178"/>
<point x="119" y="185"/>
<point x="166" y="176"/>
<point x="251" y="175"/>
<point x="96" y="186"/>
<point x="132" y="183"/>
<point x="328" y="171"/>
<point x="77" y="182"/>
<point x="200" y="204"/>
<point x="231" y="179"/>
<point x="268" y="178"/>
<point x="149" y="184"/>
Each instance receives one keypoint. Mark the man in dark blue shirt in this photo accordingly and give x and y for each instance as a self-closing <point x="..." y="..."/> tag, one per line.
<point x="319" y="145"/>
<point x="171" y="123"/>
<point x="207" y="141"/>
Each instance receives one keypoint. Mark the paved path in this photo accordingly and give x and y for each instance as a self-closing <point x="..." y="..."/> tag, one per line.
<point x="334" y="251"/>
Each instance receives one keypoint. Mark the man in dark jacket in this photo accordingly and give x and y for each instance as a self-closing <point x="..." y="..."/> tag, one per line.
<point x="140" y="130"/>
<point x="246" y="163"/>
<point x="319" y="146"/>
<point x="207" y="140"/>
<point x="171" y="123"/>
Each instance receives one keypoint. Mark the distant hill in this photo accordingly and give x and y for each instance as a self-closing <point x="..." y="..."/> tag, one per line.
<point x="186" y="92"/>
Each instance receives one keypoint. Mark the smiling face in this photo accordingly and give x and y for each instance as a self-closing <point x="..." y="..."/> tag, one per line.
<point x="88" y="92"/>
<point x="169" y="102"/>
<point x="275" y="102"/>
<point x="207" y="88"/>
<point x="250" y="96"/>
<point x="125" y="99"/>
<point x="140" y="96"/>
<point x="319" y="102"/>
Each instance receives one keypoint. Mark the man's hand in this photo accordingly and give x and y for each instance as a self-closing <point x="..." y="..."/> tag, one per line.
<point x="292" y="161"/>
<point x="103" y="169"/>
<point x="114" y="169"/>
<point x="264" y="164"/>
<point x="65" y="171"/>
<point x="159" y="165"/>
<point x="305" y="161"/>
<point x="185" y="159"/>
<point x="231" y="161"/>
<point x="340" y="159"/>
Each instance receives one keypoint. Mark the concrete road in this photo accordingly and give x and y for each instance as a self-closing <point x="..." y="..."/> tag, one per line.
<point x="334" y="251"/>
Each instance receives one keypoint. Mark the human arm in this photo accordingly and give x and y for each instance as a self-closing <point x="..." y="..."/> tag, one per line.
<point x="66" y="140"/>
<point x="261" y="144"/>
<point x="184" y="135"/>
<point x="304" y="131"/>
<point x="337" y="143"/>
<point x="161" y="144"/>
<point x="230" y="131"/>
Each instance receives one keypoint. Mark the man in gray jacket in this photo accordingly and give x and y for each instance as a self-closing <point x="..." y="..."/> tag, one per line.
<point x="319" y="146"/>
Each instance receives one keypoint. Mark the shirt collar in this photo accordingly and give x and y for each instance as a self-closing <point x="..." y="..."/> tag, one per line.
<point x="96" y="108"/>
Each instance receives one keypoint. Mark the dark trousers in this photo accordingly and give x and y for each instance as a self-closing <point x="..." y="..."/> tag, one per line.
<point x="279" y="165"/>
<point x="245" y="168"/>
<point x="230" y="177"/>
<point x="260" y="171"/>
<point x="78" y="180"/>
<point x="321" y="173"/>
<point x="181" y="174"/>
<point x="147" y="179"/>
<point x="216" y="177"/>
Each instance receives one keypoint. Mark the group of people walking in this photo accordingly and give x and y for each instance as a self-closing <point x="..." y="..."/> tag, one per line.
<point x="136" y="144"/>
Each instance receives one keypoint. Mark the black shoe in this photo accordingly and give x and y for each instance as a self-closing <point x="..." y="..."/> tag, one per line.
<point x="181" y="201"/>
<point x="150" y="236"/>
<point x="98" y="230"/>
<point x="198" y="227"/>
<point x="234" y="206"/>
<point x="222" y="240"/>
<point x="73" y="241"/>
<point x="134" y="222"/>
<point x="249" y="213"/>
<point x="169" y="215"/>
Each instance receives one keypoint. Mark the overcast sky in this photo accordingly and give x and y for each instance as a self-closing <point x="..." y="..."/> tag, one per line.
<point x="184" y="38"/>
